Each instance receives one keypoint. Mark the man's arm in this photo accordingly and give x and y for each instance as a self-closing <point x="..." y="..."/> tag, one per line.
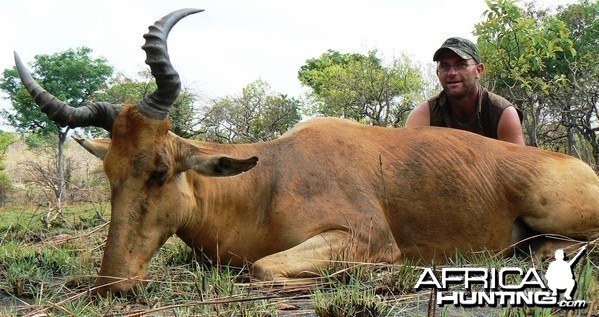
<point x="510" y="128"/>
<point x="420" y="116"/>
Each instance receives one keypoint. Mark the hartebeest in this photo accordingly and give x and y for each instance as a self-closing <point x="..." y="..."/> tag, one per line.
<point x="326" y="188"/>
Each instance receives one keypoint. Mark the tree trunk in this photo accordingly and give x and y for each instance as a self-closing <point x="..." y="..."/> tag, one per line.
<point x="531" y="125"/>
<point x="62" y="137"/>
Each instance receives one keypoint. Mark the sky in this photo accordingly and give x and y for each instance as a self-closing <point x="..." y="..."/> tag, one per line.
<point x="235" y="42"/>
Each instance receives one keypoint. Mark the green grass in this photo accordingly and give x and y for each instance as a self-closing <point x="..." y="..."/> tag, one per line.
<point x="50" y="271"/>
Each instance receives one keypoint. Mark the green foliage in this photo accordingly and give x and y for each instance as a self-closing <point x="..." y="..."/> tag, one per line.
<point x="184" y="115"/>
<point x="6" y="139"/>
<point x="400" y="279"/>
<point x="578" y="103"/>
<point x="314" y="73"/>
<point x="520" y="50"/>
<point x="352" y="299"/>
<point x="53" y="270"/>
<point x="73" y="76"/>
<point x="125" y="90"/>
<point x="26" y="270"/>
<point x="361" y="88"/>
<point x="545" y="63"/>
<point x="258" y="114"/>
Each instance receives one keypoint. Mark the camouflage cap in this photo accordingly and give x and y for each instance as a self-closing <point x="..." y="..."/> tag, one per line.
<point x="461" y="46"/>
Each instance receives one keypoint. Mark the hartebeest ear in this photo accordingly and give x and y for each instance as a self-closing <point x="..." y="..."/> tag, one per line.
<point x="215" y="165"/>
<point x="97" y="147"/>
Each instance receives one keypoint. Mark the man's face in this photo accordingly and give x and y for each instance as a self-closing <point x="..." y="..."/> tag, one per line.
<point x="458" y="76"/>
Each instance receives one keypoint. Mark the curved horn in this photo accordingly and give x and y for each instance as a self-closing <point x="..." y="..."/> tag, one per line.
<point x="99" y="114"/>
<point x="157" y="105"/>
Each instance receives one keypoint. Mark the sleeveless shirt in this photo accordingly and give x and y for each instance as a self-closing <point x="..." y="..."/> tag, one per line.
<point x="489" y="109"/>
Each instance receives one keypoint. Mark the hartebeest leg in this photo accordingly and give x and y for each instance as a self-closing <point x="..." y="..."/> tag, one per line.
<point x="318" y="253"/>
<point x="566" y="202"/>
<point x="575" y="222"/>
<point x="542" y="246"/>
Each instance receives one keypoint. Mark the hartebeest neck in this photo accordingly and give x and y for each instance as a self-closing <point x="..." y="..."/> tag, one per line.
<point x="220" y="204"/>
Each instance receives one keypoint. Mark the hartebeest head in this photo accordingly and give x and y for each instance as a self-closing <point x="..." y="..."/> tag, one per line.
<point x="143" y="161"/>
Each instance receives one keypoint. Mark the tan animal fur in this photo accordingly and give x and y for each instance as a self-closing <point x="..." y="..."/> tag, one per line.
<point x="327" y="189"/>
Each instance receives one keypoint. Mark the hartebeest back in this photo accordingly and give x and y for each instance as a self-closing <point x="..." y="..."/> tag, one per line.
<point x="326" y="189"/>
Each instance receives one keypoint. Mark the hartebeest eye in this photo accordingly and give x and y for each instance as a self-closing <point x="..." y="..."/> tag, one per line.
<point x="158" y="177"/>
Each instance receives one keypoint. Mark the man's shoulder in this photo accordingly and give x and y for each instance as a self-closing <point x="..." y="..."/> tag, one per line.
<point x="497" y="100"/>
<point x="494" y="105"/>
<point x="436" y="98"/>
